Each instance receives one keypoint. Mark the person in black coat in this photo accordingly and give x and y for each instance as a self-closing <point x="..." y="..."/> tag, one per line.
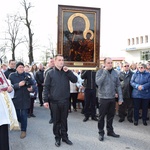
<point x="50" y="66"/>
<point x="57" y="90"/>
<point x="39" y="76"/>
<point x="127" y="106"/>
<point x="90" y="94"/>
<point x="22" y="84"/>
<point x="11" y="68"/>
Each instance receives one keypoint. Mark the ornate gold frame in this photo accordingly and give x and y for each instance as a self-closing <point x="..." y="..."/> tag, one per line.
<point x="79" y="36"/>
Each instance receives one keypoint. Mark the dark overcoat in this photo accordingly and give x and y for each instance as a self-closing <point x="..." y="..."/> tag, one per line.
<point x="21" y="98"/>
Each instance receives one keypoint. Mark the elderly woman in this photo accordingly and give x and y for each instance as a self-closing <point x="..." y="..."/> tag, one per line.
<point x="140" y="82"/>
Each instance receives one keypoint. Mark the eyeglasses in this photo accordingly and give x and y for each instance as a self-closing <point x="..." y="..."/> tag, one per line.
<point x="109" y="62"/>
<point x="141" y="67"/>
<point x="126" y="66"/>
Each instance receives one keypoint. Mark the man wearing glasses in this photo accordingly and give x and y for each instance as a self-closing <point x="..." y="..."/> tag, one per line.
<point x="127" y="105"/>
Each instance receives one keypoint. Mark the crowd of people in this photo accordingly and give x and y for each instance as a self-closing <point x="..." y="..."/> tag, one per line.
<point x="123" y="90"/>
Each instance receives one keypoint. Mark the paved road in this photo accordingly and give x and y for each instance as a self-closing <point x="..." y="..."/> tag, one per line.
<point x="84" y="135"/>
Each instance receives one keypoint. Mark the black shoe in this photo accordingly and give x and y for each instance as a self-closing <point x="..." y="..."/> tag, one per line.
<point x="29" y="116"/>
<point x="144" y="123"/>
<point x="41" y="105"/>
<point x="85" y="119"/>
<point x="121" y="120"/>
<point x="130" y="120"/>
<point x="101" y="137"/>
<point x="82" y="111"/>
<point x="51" y="121"/>
<point x="57" y="143"/>
<point x="135" y="123"/>
<point x="113" y="134"/>
<point x="32" y="115"/>
<point x="67" y="141"/>
<point x="94" y="118"/>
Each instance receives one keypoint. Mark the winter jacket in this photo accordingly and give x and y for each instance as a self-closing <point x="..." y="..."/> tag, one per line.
<point x="89" y="79"/>
<point x="21" y="98"/>
<point x="56" y="85"/>
<point x="141" y="78"/>
<point x="108" y="84"/>
<point x="125" y="83"/>
<point x="39" y="76"/>
<point x="9" y="71"/>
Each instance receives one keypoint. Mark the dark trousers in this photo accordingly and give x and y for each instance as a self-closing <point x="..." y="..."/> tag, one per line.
<point x="22" y="115"/>
<point x="126" y="108"/>
<point x="106" y="108"/>
<point x="60" y="115"/>
<point x="30" y="110"/>
<point x="51" y="113"/>
<point x="81" y="101"/>
<point x="90" y="103"/>
<point x="4" y="137"/>
<point x="73" y="97"/>
<point x="140" y="103"/>
<point x="40" y="90"/>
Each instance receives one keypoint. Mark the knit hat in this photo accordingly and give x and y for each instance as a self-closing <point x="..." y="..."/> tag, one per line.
<point x="18" y="64"/>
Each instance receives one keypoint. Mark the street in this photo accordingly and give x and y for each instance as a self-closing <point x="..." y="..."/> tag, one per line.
<point x="84" y="135"/>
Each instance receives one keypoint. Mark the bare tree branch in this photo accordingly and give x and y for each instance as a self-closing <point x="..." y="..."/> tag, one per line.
<point x="13" y="23"/>
<point x="27" y="22"/>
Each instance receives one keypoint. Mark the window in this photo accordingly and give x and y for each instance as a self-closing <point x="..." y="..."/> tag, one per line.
<point x="145" y="55"/>
<point x="146" y="38"/>
<point x="141" y="39"/>
<point x="132" y="41"/>
<point x="137" y="40"/>
<point x="128" y="41"/>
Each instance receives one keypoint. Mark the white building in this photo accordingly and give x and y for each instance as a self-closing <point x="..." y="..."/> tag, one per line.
<point x="138" y="49"/>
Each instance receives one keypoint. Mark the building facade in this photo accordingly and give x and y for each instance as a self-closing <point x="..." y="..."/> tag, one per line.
<point x="138" y="49"/>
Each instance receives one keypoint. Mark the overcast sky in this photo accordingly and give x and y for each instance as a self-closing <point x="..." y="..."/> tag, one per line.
<point x="120" y="19"/>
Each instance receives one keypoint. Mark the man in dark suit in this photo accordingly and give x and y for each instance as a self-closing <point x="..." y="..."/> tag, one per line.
<point x="57" y="90"/>
<point x="50" y="66"/>
<point x="90" y="95"/>
<point x="39" y="76"/>
<point x="11" y="68"/>
<point x="127" y="106"/>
